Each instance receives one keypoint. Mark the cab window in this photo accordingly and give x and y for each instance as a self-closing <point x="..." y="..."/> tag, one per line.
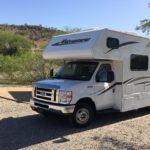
<point x="103" y="72"/>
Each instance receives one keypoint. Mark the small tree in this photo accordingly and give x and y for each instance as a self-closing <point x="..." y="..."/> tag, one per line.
<point x="144" y="26"/>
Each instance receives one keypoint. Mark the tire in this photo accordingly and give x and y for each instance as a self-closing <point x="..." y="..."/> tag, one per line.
<point x="82" y="116"/>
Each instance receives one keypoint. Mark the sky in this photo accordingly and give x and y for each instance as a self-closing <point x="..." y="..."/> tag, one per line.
<point x="121" y="15"/>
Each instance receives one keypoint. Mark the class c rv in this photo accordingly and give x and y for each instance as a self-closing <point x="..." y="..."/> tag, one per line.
<point x="103" y="70"/>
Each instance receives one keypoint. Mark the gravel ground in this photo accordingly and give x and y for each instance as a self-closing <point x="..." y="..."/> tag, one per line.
<point x="21" y="128"/>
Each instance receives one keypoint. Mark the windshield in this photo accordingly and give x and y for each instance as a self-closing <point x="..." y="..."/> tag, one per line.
<point x="77" y="71"/>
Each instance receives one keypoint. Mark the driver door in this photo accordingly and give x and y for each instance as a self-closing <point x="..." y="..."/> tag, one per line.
<point x="104" y="87"/>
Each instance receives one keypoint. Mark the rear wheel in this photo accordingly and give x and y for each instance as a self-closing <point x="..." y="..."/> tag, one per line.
<point x="83" y="115"/>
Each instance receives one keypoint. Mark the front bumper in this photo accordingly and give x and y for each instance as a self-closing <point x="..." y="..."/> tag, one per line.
<point x="55" y="108"/>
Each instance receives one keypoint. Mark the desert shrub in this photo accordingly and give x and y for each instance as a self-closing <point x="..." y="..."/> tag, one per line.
<point x="13" y="44"/>
<point x="43" y="44"/>
<point x="26" y="68"/>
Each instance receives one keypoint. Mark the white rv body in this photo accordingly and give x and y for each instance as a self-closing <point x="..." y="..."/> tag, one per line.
<point x="130" y="88"/>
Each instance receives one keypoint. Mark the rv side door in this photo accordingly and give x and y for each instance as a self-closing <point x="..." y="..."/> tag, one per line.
<point x="104" y="90"/>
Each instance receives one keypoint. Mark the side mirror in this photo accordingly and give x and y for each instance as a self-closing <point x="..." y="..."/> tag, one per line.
<point x="51" y="73"/>
<point x="110" y="76"/>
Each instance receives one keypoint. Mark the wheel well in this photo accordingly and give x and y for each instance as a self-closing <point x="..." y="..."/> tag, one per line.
<point x="88" y="101"/>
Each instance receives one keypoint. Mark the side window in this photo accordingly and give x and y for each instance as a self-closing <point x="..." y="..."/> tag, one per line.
<point x="138" y="62"/>
<point x="112" y="43"/>
<point x="102" y="74"/>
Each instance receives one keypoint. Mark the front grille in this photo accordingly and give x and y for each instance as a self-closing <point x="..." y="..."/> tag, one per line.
<point x="48" y="95"/>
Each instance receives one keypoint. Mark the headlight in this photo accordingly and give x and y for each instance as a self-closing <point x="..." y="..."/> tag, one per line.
<point x="65" y="97"/>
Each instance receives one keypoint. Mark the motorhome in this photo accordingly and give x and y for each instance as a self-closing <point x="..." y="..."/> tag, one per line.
<point x="103" y="70"/>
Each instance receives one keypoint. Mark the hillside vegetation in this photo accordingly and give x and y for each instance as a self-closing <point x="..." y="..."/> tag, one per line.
<point x="13" y="44"/>
<point x="21" y="53"/>
<point x="37" y="35"/>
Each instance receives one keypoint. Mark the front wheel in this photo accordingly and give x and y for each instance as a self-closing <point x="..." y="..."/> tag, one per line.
<point x="83" y="115"/>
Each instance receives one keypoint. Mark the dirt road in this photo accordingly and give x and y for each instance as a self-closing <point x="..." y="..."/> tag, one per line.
<point x="21" y="128"/>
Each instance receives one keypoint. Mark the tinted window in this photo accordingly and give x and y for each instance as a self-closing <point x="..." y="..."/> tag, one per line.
<point x="112" y="43"/>
<point x="139" y="62"/>
<point x="101" y="75"/>
<point x="77" y="71"/>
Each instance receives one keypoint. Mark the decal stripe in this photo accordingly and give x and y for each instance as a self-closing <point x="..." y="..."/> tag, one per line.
<point x="128" y="43"/>
<point x="98" y="91"/>
<point x="139" y="78"/>
<point x="147" y="85"/>
<point x="123" y="44"/>
<point x="117" y="83"/>
<point x="142" y="83"/>
<point x="127" y="81"/>
<point x="109" y="50"/>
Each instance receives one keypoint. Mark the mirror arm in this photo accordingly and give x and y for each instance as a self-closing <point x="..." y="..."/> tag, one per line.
<point x="51" y="72"/>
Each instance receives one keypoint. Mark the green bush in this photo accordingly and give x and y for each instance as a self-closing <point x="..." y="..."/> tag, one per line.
<point x="26" y="68"/>
<point x="13" y="44"/>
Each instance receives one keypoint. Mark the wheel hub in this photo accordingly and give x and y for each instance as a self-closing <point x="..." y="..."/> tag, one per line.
<point x="82" y="116"/>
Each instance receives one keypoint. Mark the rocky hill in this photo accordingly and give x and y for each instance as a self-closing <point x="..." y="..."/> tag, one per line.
<point x="38" y="34"/>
